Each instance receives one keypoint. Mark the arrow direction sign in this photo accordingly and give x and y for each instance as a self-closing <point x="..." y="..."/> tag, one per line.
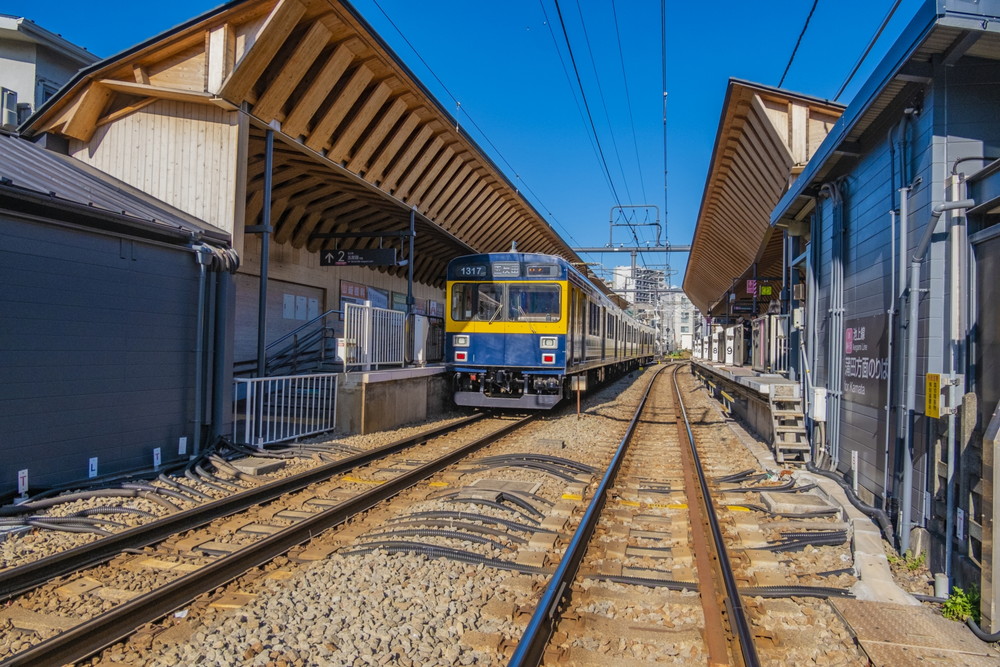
<point x="371" y="257"/>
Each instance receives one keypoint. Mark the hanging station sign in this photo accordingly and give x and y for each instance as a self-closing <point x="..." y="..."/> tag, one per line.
<point x="360" y="257"/>
<point x="866" y="361"/>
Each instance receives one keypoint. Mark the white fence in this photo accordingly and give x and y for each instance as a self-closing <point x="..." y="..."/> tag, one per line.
<point x="373" y="336"/>
<point x="274" y="409"/>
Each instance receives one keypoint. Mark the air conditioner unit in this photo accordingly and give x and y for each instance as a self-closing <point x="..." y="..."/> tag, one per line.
<point x="8" y="101"/>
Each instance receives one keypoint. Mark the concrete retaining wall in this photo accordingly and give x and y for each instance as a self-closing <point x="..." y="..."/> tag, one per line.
<point x="368" y="402"/>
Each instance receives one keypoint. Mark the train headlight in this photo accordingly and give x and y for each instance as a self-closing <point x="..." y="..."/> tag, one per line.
<point x="460" y="340"/>
<point x="461" y="355"/>
<point x="548" y="358"/>
<point x="549" y="342"/>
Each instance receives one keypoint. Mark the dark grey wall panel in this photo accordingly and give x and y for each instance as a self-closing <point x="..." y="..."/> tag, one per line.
<point x="96" y="351"/>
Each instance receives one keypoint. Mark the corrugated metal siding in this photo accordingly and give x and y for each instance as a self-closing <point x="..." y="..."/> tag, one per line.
<point x="182" y="153"/>
<point x="96" y="340"/>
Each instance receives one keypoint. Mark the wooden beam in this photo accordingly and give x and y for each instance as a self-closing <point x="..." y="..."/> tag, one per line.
<point x="297" y="121"/>
<point x="427" y="198"/>
<point x="401" y="134"/>
<point x="419" y="167"/>
<point x="359" y="161"/>
<point x="340" y="150"/>
<point x="405" y="158"/>
<point x="320" y="134"/>
<point x="159" y="92"/>
<point x="140" y="74"/>
<point x="219" y="54"/>
<point x="287" y="226"/>
<point x="430" y="175"/>
<point x="276" y="29"/>
<point x="295" y="67"/>
<point x="93" y="101"/>
<point x="125" y="111"/>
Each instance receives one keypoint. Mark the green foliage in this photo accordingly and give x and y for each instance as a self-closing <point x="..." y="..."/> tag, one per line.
<point x="960" y="605"/>
<point x="908" y="560"/>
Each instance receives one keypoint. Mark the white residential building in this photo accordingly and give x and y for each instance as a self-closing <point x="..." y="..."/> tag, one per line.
<point x="34" y="64"/>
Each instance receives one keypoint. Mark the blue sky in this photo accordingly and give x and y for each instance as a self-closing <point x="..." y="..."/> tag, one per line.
<point x="500" y="61"/>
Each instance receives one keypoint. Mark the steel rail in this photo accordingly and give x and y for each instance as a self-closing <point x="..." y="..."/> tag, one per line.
<point x="536" y="636"/>
<point x="91" y="636"/>
<point x="31" y="575"/>
<point x="739" y="625"/>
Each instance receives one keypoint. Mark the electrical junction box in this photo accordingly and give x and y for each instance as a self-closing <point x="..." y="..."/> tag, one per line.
<point x="817" y="407"/>
<point x="798" y="318"/>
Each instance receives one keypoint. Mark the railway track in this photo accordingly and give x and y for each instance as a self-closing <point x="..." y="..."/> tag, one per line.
<point x="656" y="464"/>
<point x="455" y="569"/>
<point x="194" y="552"/>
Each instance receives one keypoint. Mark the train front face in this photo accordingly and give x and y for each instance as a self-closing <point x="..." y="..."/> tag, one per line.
<point x="505" y="332"/>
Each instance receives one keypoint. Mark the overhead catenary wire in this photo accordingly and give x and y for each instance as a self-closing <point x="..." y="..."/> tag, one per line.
<point x="569" y="82"/>
<point x="604" y="104"/>
<point x="482" y="133"/>
<point x="586" y="104"/>
<point x="663" y="87"/>
<point x="628" y="100"/>
<point x="795" y="50"/>
<point x="868" y="49"/>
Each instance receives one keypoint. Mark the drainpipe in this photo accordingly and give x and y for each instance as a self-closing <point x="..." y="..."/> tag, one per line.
<point x="204" y="256"/>
<point x="911" y="362"/>
<point x="891" y="313"/>
<point x="265" y="249"/>
<point x="956" y="366"/>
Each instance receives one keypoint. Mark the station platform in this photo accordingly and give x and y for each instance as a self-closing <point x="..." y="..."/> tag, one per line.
<point x="770" y="404"/>
<point x="378" y="400"/>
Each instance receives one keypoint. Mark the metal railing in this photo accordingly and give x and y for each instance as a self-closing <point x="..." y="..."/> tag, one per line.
<point x="373" y="336"/>
<point x="779" y="344"/>
<point x="275" y="409"/>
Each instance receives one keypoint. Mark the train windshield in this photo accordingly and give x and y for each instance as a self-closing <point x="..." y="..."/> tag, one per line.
<point x="533" y="303"/>
<point x="476" y="301"/>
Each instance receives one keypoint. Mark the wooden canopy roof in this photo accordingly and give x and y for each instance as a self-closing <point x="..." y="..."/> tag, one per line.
<point x="766" y="136"/>
<point x="362" y="141"/>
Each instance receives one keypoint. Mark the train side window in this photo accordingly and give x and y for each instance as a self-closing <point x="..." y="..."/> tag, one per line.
<point x="534" y="303"/>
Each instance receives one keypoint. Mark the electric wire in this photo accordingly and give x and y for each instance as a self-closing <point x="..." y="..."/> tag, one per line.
<point x="483" y="134"/>
<point x="604" y="104"/>
<point x="871" y="45"/>
<point x="795" y="50"/>
<point x="569" y="82"/>
<point x="628" y="100"/>
<point x="663" y="75"/>
<point x="586" y="104"/>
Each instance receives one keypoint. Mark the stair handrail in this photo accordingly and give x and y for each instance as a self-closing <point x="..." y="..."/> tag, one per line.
<point x="300" y="328"/>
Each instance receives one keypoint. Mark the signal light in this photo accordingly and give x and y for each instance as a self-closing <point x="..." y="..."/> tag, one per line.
<point x="461" y="355"/>
<point x="548" y="358"/>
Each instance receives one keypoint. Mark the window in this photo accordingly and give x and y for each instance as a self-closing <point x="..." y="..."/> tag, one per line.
<point x="476" y="301"/>
<point x="685" y="328"/>
<point x="685" y="316"/>
<point x="533" y="303"/>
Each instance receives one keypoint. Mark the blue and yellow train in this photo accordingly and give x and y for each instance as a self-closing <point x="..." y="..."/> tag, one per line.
<point x="524" y="330"/>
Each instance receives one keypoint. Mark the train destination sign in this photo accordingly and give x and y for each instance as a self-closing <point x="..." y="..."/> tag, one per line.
<point x="369" y="257"/>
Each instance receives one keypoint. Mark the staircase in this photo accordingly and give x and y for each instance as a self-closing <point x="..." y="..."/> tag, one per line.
<point x="790" y="441"/>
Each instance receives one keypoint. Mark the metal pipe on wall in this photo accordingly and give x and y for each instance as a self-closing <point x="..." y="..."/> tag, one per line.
<point x="204" y="256"/>
<point x="265" y="251"/>
<point x="911" y="355"/>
